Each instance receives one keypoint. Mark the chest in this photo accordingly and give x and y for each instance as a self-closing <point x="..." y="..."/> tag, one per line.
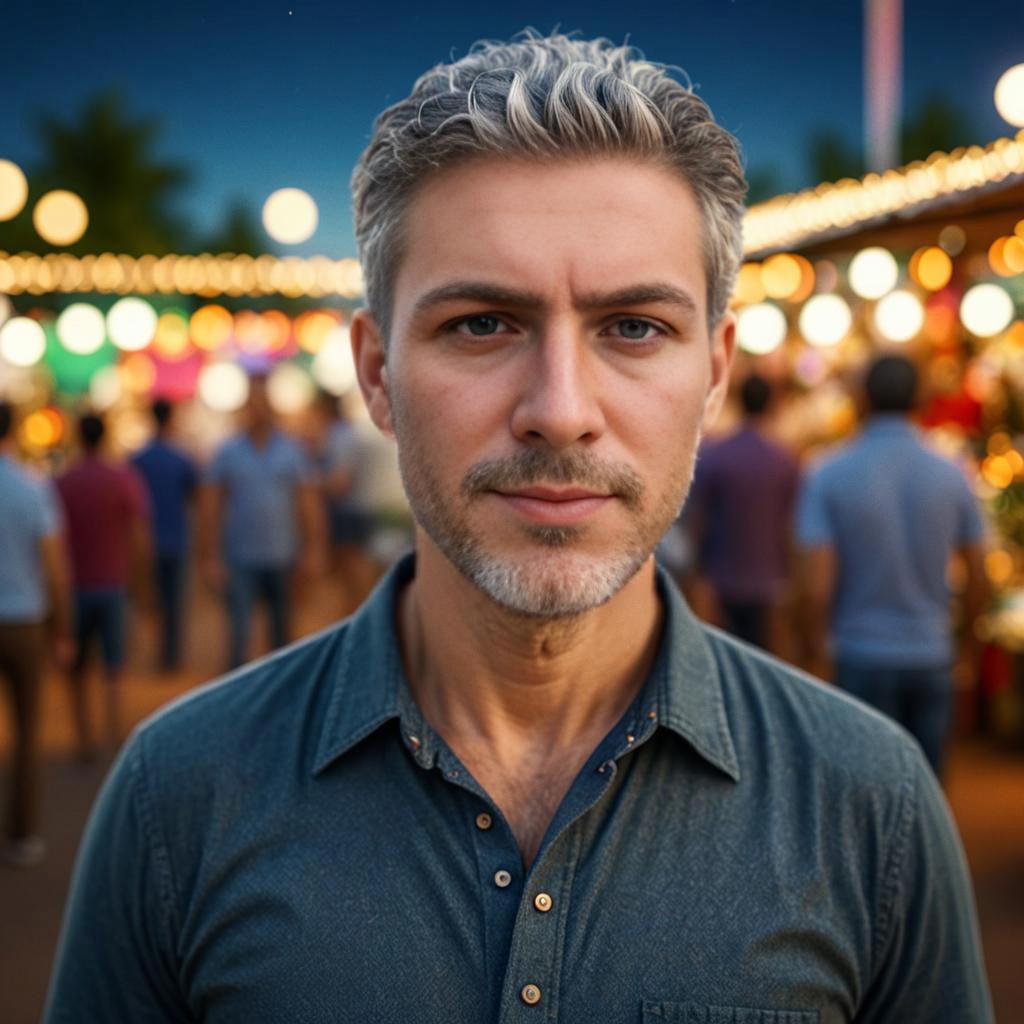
<point x="398" y="905"/>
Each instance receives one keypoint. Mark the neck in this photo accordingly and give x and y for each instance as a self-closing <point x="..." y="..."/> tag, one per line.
<point x="484" y="676"/>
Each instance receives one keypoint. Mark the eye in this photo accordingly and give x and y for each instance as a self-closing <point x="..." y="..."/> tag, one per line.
<point x="480" y="326"/>
<point x="635" y="329"/>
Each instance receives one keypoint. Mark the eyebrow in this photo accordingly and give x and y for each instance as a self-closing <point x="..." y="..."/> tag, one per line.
<point x="498" y="295"/>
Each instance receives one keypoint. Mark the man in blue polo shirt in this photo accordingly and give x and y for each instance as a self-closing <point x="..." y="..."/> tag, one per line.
<point x="260" y="520"/>
<point x="880" y="522"/>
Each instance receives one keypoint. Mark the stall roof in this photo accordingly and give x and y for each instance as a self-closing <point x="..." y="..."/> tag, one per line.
<point x="981" y="189"/>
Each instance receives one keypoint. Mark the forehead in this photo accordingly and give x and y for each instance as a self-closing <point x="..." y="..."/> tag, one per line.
<point x="555" y="228"/>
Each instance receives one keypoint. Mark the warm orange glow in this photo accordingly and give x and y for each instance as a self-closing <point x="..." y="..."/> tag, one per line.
<point x="42" y="429"/>
<point x="311" y="329"/>
<point x="13" y="190"/>
<point x="931" y="268"/>
<point x="997" y="471"/>
<point x="278" y="329"/>
<point x="171" y="338"/>
<point x="749" y="289"/>
<point x="1015" y="335"/>
<point x="1013" y="254"/>
<point x="999" y="443"/>
<point x="999" y="566"/>
<point x="995" y="257"/>
<point x="781" y="275"/>
<point x="138" y="374"/>
<point x="251" y="333"/>
<point x="210" y="327"/>
<point x="60" y="217"/>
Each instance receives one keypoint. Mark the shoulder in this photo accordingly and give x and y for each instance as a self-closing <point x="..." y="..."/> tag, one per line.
<point x="212" y="756"/>
<point x="785" y="720"/>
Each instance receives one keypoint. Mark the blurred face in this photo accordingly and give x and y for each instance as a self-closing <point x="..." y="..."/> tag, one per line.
<point x="548" y="373"/>
<point x="259" y="415"/>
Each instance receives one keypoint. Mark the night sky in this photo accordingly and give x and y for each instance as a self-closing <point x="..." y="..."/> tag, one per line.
<point x="261" y="95"/>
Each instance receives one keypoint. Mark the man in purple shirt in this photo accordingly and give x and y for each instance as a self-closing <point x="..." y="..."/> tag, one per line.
<point x="740" y="516"/>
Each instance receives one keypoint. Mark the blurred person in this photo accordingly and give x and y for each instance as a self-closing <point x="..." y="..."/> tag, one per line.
<point x="171" y="477"/>
<point x="107" y="517"/>
<point x="741" y="519"/>
<point x="880" y="522"/>
<point x="341" y="460"/>
<point x="34" y="595"/>
<point x="260" y="522"/>
<point x="523" y="781"/>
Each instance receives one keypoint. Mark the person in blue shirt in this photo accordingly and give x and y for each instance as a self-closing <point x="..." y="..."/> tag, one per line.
<point x="171" y="477"/>
<point x="35" y="593"/>
<point x="880" y="522"/>
<point x="260" y="522"/>
<point x="523" y="783"/>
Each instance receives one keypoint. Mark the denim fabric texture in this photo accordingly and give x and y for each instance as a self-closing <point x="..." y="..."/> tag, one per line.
<point x="295" y="843"/>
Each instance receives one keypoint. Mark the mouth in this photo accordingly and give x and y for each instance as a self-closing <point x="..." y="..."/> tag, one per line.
<point x="555" y="506"/>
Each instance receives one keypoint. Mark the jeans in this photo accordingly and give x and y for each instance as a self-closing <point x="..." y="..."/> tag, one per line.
<point x="246" y="585"/>
<point x="170" y="588"/>
<point x="920" y="699"/>
<point x="100" y="613"/>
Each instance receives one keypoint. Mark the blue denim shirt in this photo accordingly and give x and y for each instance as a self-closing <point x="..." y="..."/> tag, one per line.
<point x="295" y="843"/>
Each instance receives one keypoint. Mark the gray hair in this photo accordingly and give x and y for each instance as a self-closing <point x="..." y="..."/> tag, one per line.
<point x="544" y="98"/>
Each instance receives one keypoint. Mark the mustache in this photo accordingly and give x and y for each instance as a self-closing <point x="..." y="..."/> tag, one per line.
<point x="536" y="466"/>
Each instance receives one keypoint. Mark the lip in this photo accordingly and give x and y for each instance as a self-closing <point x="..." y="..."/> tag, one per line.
<point x="553" y="506"/>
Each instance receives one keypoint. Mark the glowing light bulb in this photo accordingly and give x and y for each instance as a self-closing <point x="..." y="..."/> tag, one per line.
<point x="761" y="328"/>
<point x="986" y="309"/>
<point x="825" y="320"/>
<point x="60" y="217"/>
<point x="873" y="272"/>
<point x="22" y="341"/>
<point x="131" y="323"/>
<point x="899" y="316"/>
<point x="290" y="216"/>
<point x="1009" y="95"/>
<point x="13" y="190"/>
<point x="81" y="328"/>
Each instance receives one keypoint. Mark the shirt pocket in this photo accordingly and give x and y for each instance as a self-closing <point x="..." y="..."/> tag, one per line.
<point x="702" y="1013"/>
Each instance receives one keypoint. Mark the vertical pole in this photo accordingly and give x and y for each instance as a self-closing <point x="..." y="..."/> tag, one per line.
<point x="883" y="73"/>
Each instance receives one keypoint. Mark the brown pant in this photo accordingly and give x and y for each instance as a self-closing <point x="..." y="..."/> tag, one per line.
<point x="22" y="655"/>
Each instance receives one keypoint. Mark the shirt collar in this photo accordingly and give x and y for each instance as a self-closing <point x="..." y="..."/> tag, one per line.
<point x="683" y="692"/>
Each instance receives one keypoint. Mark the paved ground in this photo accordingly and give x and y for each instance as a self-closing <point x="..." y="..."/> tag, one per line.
<point x="986" y="789"/>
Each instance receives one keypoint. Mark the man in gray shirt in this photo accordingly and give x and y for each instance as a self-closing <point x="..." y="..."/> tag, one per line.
<point x="524" y="783"/>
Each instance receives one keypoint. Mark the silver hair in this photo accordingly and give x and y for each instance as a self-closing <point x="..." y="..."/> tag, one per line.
<point x="546" y="97"/>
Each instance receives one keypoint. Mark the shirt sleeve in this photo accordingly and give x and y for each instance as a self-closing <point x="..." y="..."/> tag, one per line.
<point x="928" y="963"/>
<point x="813" y="523"/>
<point x="970" y="525"/>
<point x="115" y="959"/>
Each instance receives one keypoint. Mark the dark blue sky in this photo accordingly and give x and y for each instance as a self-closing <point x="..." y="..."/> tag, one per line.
<point x="264" y="94"/>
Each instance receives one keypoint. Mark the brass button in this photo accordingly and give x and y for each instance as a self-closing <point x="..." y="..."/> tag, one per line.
<point x="502" y="879"/>
<point x="542" y="901"/>
<point x="530" y="995"/>
<point x="484" y="821"/>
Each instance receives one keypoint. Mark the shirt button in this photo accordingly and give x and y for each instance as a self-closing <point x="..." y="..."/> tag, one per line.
<point x="542" y="901"/>
<point x="530" y="995"/>
<point x="502" y="879"/>
<point x="484" y="821"/>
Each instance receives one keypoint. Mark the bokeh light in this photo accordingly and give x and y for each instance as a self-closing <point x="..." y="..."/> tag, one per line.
<point x="22" y="341"/>
<point x="952" y="239"/>
<point x="313" y="328"/>
<point x="999" y="567"/>
<point x="223" y="387"/>
<point x="761" y="328"/>
<point x="931" y="268"/>
<point x="997" y="471"/>
<point x="749" y="289"/>
<point x="873" y="272"/>
<point x="333" y="366"/>
<point x="13" y="190"/>
<point x="42" y="429"/>
<point x="899" y="316"/>
<point x="290" y="389"/>
<point x="60" y="217"/>
<point x="210" y="327"/>
<point x="131" y="323"/>
<point x="171" y="339"/>
<point x="81" y="328"/>
<point x="825" y="320"/>
<point x="290" y="216"/>
<point x="105" y="388"/>
<point x="138" y="373"/>
<point x="1009" y="95"/>
<point x="781" y="276"/>
<point x="5" y="308"/>
<point x="251" y="333"/>
<point x="986" y="309"/>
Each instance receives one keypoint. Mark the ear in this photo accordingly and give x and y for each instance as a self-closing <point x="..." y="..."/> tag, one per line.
<point x="723" y="348"/>
<point x="371" y="369"/>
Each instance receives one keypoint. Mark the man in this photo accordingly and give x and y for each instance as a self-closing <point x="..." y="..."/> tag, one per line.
<point x="107" y="518"/>
<point x="524" y="783"/>
<point x="880" y="522"/>
<point x="741" y="515"/>
<point x="259" y="506"/>
<point x="171" y="478"/>
<point x="33" y="588"/>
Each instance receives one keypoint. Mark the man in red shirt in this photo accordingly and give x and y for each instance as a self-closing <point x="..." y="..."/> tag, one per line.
<point x="107" y="516"/>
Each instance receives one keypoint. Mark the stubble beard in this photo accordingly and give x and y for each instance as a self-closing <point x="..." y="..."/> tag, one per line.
<point x="556" y="578"/>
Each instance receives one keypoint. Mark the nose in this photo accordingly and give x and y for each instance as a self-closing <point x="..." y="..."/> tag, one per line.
<point x="559" y="403"/>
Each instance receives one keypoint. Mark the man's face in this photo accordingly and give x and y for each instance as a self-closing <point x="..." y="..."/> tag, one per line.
<point x="548" y="373"/>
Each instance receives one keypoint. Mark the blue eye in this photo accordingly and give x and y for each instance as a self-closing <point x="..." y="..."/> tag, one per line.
<point x="480" y="326"/>
<point x="634" y="329"/>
